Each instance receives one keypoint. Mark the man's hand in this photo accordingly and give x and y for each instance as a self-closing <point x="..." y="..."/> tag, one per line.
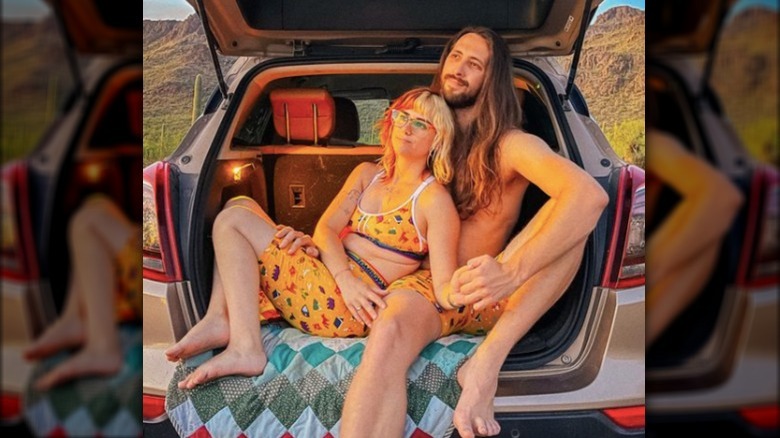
<point x="294" y="239"/>
<point x="482" y="282"/>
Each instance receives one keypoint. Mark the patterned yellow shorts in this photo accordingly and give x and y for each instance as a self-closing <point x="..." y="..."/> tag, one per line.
<point x="301" y="289"/>
<point x="462" y="320"/>
<point x="129" y="298"/>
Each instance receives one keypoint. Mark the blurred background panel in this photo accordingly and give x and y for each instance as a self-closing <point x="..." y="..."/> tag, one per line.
<point x="71" y="160"/>
<point x="712" y="208"/>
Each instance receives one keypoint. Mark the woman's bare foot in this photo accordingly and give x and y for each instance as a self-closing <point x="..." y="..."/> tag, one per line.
<point x="89" y="361"/>
<point x="474" y="412"/>
<point x="229" y="362"/>
<point x="210" y="333"/>
<point x="66" y="332"/>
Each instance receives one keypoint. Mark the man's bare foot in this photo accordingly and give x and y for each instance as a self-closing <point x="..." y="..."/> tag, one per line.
<point x="229" y="362"/>
<point x="210" y="333"/>
<point x="66" y="332"/>
<point x="89" y="361"/>
<point x="474" y="412"/>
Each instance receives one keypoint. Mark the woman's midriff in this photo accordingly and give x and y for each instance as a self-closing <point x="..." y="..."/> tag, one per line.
<point x="391" y="265"/>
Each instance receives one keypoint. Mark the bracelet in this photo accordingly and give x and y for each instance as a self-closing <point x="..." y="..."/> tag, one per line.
<point x="341" y="272"/>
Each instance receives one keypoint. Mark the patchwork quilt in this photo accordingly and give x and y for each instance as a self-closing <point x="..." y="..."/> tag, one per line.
<point x="301" y="392"/>
<point x="94" y="406"/>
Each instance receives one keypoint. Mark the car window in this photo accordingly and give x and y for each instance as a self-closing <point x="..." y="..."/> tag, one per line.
<point x="120" y="124"/>
<point x="370" y="112"/>
<point x="360" y="101"/>
<point x="663" y="97"/>
<point x="36" y="82"/>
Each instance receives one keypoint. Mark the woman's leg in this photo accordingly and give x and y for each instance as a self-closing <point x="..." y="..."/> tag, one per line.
<point x="98" y="232"/>
<point x="376" y="401"/>
<point x="240" y="237"/>
<point x="67" y="331"/>
<point x="213" y="330"/>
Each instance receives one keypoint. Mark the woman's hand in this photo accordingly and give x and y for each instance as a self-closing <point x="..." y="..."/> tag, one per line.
<point x="294" y="239"/>
<point x="360" y="297"/>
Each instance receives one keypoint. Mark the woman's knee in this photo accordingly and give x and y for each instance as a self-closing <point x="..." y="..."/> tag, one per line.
<point x="405" y="322"/>
<point x="231" y="219"/>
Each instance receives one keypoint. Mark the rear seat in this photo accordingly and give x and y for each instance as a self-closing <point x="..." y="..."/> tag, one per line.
<point x="306" y="179"/>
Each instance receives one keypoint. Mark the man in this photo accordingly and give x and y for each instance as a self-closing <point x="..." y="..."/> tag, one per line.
<point x="495" y="162"/>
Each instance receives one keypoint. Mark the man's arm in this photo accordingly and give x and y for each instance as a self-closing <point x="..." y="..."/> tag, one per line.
<point x="709" y="204"/>
<point x="567" y="218"/>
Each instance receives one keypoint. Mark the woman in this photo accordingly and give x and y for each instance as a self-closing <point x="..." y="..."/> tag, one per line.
<point x="384" y="221"/>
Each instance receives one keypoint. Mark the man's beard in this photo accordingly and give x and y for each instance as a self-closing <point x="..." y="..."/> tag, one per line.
<point x="460" y="101"/>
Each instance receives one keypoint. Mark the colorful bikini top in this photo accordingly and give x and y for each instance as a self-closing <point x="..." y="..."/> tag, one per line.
<point x="395" y="229"/>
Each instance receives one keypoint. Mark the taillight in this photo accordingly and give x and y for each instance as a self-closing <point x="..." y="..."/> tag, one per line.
<point x="18" y="256"/>
<point x="11" y="407"/>
<point x="160" y="257"/>
<point x="760" y="262"/>
<point x="625" y="262"/>
<point x="764" y="417"/>
<point x="632" y="417"/>
<point x="153" y="407"/>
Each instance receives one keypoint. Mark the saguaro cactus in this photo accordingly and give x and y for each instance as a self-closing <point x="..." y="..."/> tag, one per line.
<point x="196" y="99"/>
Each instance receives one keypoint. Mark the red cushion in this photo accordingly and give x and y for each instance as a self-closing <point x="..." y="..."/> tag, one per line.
<point x="300" y="106"/>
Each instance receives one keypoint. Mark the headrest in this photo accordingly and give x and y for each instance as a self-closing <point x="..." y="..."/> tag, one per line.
<point x="303" y="114"/>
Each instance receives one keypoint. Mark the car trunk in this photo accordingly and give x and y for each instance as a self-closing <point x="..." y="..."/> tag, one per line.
<point x="294" y="183"/>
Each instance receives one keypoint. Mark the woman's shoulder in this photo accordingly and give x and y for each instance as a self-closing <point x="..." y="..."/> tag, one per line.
<point x="435" y="195"/>
<point x="366" y="171"/>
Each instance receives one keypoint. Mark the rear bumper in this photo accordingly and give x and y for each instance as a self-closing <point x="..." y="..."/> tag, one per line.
<point x="603" y="368"/>
<point x="562" y="424"/>
<point x="726" y="423"/>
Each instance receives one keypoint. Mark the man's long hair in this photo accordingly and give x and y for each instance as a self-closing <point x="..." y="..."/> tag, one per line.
<point x="475" y="153"/>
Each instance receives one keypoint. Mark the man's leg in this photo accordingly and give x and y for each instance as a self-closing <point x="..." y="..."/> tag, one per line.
<point x="376" y="401"/>
<point x="479" y="375"/>
<point x="669" y="296"/>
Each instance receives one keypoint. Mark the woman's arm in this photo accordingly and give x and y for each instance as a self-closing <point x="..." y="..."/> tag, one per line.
<point x="356" y="294"/>
<point x="442" y="234"/>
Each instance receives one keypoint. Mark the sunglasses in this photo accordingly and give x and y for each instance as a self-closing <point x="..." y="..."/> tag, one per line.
<point x="401" y="118"/>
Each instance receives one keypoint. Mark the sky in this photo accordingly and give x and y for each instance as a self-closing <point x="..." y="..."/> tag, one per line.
<point x="167" y="9"/>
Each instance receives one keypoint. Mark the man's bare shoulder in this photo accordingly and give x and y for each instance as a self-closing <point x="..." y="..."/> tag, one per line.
<point x="518" y="141"/>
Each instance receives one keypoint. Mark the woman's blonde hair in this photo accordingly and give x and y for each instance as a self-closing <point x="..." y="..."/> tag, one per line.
<point x="436" y="110"/>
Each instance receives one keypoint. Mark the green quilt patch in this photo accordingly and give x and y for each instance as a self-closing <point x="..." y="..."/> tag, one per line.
<point x="304" y="387"/>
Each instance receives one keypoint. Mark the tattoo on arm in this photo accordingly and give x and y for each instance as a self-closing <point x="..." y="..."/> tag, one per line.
<point x="352" y="196"/>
